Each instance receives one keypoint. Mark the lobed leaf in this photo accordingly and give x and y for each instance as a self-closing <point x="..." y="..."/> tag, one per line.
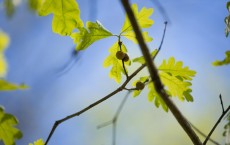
<point x="143" y="20"/>
<point x="4" y="42"/>
<point x="175" y="86"/>
<point x="141" y="59"/>
<point x="117" y="67"/>
<point x="92" y="33"/>
<point x="7" y="86"/>
<point x="154" y="96"/>
<point x="223" y="62"/>
<point x="66" y="15"/>
<point x="176" y="69"/>
<point x="38" y="142"/>
<point x="8" y="132"/>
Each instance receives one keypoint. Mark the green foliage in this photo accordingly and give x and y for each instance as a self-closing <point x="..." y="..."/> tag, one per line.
<point x="8" y="132"/>
<point x="154" y="96"/>
<point x="227" y="20"/>
<point x="117" y="66"/>
<point x="143" y="80"/>
<point x="4" y="42"/>
<point x="7" y="86"/>
<point x="143" y="20"/>
<point x="176" y="69"/>
<point x="38" y="142"/>
<point x="141" y="59"/>
<point x="34" y="4"/>
<point x="66" y="15"/>
<point x="226" y="132"/>
<point x="87" y="36"/>
<point x="223" y="62"/>
<point x="9" y="6"/>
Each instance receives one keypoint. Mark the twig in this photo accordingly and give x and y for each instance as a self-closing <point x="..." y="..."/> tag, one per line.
<point x="221" y="102"/>
<point x="217" y="123"/>
<point x="115" y="118"/>
<point x="156" y="79"/>
<point x="204" y="135"/>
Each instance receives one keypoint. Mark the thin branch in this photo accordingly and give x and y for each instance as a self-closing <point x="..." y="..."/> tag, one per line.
<point x="156" y="79"/>
<point x="217" y="123"/>
<point x="202" y="134"/>
<point x="122" y="87"/>
<point x="221" y="102"/>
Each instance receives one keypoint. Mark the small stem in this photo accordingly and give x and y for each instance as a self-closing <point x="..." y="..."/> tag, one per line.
<point x="221" y="102"/>
<point x="217" y="123"/>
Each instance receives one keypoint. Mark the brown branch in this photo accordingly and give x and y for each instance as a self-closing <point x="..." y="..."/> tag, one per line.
<point x="218" y="121"/>
<point x="156" y="79"/>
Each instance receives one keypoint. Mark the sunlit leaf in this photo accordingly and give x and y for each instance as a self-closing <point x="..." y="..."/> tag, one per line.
<point x="154" y="96"/>
<point x="176" y="69"/>
<point x="117" y="67"/>
<point x="34" y="4"/>
<point x="66" y="15"/>
<point x="8" y="132"/>
<point x="9" y="6"/>
<point x="7" y="86"/>
<point x="141" y="59"/>
<point x="175" y="86"/>
<point x="4" y="42"/>
<point x="141" y="79"/>
<point x="143" y="20"/>
<point x="223" y="62"/>
<point x="92" y="33"/>
<point x="38" y="142"/>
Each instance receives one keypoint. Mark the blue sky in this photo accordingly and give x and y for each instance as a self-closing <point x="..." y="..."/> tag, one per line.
<point x="195" y="35"/>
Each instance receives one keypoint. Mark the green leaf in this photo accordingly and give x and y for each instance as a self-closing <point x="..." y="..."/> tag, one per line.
<point x="141" y="59"/>
<point x="10" y="8"/>
<point x="7" y="86"/>
<point x="66" y="15"/>
<point x="223" y="62"/>
<point x="227" y="22"/>
<point x="8" y="132"/>
<point x="154" y="96"/>
<point x="4" y="42"/>
<point x="143" y="20"/>
<point x="176" y="69"/>
<point x="38" y="142"/>
<point x="117" y="67"/>
<point x="141" y="79"/>
<point x="34" y="4"/>
<point x="175" y="86"/>
<point x="84" y="38"/>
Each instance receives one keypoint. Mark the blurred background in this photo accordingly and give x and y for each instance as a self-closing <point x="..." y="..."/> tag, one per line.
<point x="61" y="84"/>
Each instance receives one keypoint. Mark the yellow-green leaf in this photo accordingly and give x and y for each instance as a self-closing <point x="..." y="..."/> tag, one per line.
<point x="143" y="20"/>
<point x="8" y="132"/>
<point x="66" y="15"/>
<point x="117" y="67"/>
<point x="132" y="36"/>
<point x="38" y="142"/>
<point x="175" y="86"/>
<point x="223" y="62"/>
<point x="176" y="69"/>
<point x="141" y="59"/>
<point x="9" y="6"/>
<point x="7" y="86"/>
<point x="4" y="42"/>
<point x="35" y="4"/>
<point x="86" y="36"/>
<point x="141" y="79"/>
<point x="154" y="96"/>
